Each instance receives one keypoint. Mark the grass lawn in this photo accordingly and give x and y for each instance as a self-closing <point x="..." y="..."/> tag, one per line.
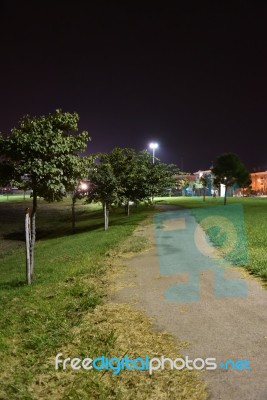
<point x="64" y="311"/>
<point x="254" y="211"/>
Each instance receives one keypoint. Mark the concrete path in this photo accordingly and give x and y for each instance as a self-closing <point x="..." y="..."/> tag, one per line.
<point x="184" y="301"/>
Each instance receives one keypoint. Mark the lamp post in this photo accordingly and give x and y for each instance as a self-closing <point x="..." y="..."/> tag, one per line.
<point x="153" y="146"/>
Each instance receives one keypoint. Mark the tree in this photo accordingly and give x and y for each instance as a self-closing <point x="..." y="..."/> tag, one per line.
<point x="77" y="187"/>
<point x="133" y="174"/>
<point x="125" y="167"/>
<point x="138" y="178"/>
<point x="5" y="171"/>
<point x="157" y="176"/>
<point x="228" y="169"/>
<point x="244" y="180"/>
<point x="103" y="185"/>
<point x="45" y="149"/>
<point x="123" y="176"/>
<point x="206" y="183"/>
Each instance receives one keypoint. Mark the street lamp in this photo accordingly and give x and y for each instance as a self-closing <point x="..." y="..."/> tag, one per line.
<point x="83" y="186"/>
<point x="153" y="146"/>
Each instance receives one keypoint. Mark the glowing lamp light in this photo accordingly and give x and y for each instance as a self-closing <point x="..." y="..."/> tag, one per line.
<point x="153" y="146"/>
<point x="83" y="186"/>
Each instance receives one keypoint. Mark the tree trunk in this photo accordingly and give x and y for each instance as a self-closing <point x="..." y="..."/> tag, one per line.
<point x="106" y="215"/>
<point x="73" y="217"/>
<point x="204" y="194"/>
<point x="224" y="202"/>
<point x="33" y="231"/>
<point x="27" y="243"/>
<point x="128" y="208"/>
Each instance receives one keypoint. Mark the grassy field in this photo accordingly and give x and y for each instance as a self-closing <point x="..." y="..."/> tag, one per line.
<point x="254" y="213"/>
<point x="64" y="311"/>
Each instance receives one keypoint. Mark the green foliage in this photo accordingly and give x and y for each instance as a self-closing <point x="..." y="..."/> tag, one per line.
<point x="243" y="179"/>
<point x="103" y="182"/>
<point x="159" y="176"/>
<point x="41" y="154"/>
<point x="229" y="169"/>
<point x="128" y="172"/>
<point x="43" y="150"/>
<point x="123" y="176"/>
<point x="6" y="171"/>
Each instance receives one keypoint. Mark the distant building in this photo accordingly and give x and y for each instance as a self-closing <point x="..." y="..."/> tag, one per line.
<point x="200" y="173"/>
<point x="191" y="185"/>
<point x="209" y="190"/>
<point x="184" y="185"/>
<point x="259" y="182"/>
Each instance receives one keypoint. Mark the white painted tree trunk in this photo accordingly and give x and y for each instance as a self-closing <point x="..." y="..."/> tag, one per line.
<point x="106" y="215"/>
<point x="27" y="243"/>
<point x="33" y="232"/>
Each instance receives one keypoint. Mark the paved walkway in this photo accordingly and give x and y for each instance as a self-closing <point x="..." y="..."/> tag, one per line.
<point x="191" y="299"/>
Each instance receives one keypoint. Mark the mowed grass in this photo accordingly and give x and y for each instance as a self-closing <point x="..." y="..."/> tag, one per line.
<point x="53" y="225"/>
<point x="252" y="211"/>
<point x="64" y="311"/>
<point x="13" y="197"/>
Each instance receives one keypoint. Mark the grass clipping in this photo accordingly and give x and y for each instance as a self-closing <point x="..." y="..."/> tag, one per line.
<point x="120" y="330"/>
<point x="136" y="338"/>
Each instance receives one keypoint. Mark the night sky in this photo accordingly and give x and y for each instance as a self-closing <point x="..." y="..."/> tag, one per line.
<point x="189" y="75"/>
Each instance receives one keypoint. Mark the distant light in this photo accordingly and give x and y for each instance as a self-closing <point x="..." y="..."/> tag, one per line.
<point x="83" y="186"/>
<point x="153" y="145"/>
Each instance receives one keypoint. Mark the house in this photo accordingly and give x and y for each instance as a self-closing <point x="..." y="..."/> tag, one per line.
<point x="259" y="182"/>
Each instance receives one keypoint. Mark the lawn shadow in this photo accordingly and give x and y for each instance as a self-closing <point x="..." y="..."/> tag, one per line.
<point x="95" y="222"/>
<point x="12" y="284"/>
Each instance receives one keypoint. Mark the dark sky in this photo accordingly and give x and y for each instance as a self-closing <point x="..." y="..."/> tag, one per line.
<point x="189" y="75"/>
